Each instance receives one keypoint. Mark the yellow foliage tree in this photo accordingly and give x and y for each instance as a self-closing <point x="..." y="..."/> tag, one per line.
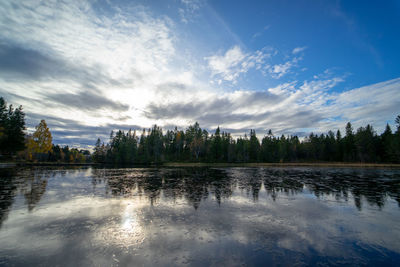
<point x="42" y="140"/>
<point x="30" y="147"/>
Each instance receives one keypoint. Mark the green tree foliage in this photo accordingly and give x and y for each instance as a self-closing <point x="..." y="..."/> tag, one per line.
<point x="366" y="144"/>
<point x="254" y="147"/>
<point x="349" y="153"/>
<point x="121" y="149"/>
<point x="195" y="145"/>
<point x="216" y="146"/>
<point x="99" y="154"/>
<point x="12" y="127"/>
<point x="195" y="140"/>
<point x="397" y="120"/>
<point x="387" y="148"/>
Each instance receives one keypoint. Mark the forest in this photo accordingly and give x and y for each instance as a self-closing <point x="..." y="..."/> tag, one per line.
<point x="194" y="144"/>
<point x="197" y="145"/>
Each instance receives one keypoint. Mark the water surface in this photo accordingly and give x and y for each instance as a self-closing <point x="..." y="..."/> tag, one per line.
<point x="199" y="216"/>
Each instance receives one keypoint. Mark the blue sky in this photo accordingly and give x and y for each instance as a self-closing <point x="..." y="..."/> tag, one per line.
<point x="290" y="66"/>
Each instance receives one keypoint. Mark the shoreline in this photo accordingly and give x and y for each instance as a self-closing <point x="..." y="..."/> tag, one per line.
<point x="288" y="164"/>
<point x="205" y="164"/>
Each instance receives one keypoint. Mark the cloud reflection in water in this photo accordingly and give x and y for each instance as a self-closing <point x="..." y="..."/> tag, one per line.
<point x="199" y="216"/>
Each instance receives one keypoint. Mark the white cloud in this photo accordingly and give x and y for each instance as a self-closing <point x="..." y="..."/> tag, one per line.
<point x="284" y="88"/>
<point x="117" y="57"/>
<point x="374" y="104"/>
<point x="299" y="49"/>
<point x="235" y="62"/>
<point x="134" y="51"/>
<point x="277" y="71"/>
<point x="288" y="108"/>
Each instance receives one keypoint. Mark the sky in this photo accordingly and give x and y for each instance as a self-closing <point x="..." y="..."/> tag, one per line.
<point x="294" y="67"/>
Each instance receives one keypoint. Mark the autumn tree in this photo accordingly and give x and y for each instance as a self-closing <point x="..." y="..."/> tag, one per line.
<point x="40" y="143"/>
<point x="42" y="138"/>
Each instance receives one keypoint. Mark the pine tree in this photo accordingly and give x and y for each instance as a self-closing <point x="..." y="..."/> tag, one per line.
<point x="12" y="127"/>
<point x="387" y="148"/>
<point x="254" y="146"/>
<point x="349" y="145"/>
<point x="99" y="153"/>
<point x="216" y="149"/>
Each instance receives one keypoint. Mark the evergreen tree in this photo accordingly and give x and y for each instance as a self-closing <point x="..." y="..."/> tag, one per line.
<point x="216" y="146"/>
<point x="349" y="145"/>
<point x="194" y="139"/>
<point x="12" y="127"/>
<point x="397" y="121"/>
<point x="254" y="146"/>
<point x="396" y="141"/>
<point x="339" y="146"/>
<point x="194" y="144"/>
<point x="99" y="153"/>
<point x="387" y="151"/>
<point x="365" y="142"/>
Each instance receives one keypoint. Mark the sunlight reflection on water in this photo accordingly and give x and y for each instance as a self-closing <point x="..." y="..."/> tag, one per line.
<point x="123" y="227"/>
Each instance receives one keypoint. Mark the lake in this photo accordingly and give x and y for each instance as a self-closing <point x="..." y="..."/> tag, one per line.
<point x="199" y="216"/>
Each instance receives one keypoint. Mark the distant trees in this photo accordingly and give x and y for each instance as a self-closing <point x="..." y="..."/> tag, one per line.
<point x="196" y="145"/>
<point x="67" y="155"/>
<point x="37" y="146"/>
<point x="12" y="127"/>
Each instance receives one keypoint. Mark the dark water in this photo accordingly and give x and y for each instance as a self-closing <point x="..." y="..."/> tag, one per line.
<point x="199" y="216"/>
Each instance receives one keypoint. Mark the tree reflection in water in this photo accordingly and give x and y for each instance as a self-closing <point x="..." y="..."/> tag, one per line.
<point x="30" y="182"/>
<point x="173" y="216"/>
<point x="196" y="184"/>
<point x="8" y="190"/>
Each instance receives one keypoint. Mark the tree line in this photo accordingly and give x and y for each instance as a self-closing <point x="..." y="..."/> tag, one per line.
<point x="16" y="143"/>
<point x="197" y="145"/>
